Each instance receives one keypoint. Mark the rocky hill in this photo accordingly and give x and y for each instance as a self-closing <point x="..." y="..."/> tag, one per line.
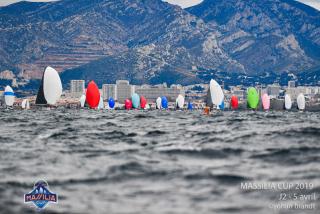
<point x="268" y="35"/>
<point x="150" y="41"/>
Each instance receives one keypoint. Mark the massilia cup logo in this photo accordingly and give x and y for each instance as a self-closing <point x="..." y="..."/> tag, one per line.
<point x="40" y="196"/>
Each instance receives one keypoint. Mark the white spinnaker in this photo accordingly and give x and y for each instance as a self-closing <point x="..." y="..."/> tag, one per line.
<point x="287" y="102"/>
<point x="24" y="104"/>
<point x="28" y="105"/>
<point x="158" y="102"/>
<point x="216" y="93"/>
<point x="52" y="87"/>
<point x="301" y="101"/>
<point x="9" y="96"/>
<point x="180" y="102"/>
<point x="82" y="100"/>
<point x="101" y="104"/>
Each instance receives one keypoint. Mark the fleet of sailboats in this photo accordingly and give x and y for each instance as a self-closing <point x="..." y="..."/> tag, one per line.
<point x="50" y="91"/>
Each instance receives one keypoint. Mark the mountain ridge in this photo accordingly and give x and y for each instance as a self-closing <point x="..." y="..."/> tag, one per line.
<point x="145" y="41"/>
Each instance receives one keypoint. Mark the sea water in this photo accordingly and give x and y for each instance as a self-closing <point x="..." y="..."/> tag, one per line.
<point x="161" y="161"/>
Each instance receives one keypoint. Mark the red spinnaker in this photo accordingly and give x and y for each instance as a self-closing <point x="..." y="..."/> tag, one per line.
<point x="93" y="95"/>
<point x="234" y="102"/>
<point x="143" y="102"/>
<point x="128" y="104"/>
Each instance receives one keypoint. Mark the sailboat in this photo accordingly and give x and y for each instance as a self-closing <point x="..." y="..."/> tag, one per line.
<point x="143" y="102"/>
<point x="9" y="96"/>
<point x="252" y="98"/>
<point x="164" y="102"/>
<point x="301" y="101"/>
<point x="101" y="104"/>
<point x="148" y="107"/>
<point x="287" y="102"/>
<point x="50" y="89"/>
<point x="25" y="104"/>
<point x="190" y="106"/>
<point x="82" y="100"/>
<point x="215" y="96"/>
<point x="93" y="95"/>
<point x="128" y="104"/>
<point x="111" y="103"/>
<point x="180" y="102"/>
<point x="135" y="101"/>
<point x="234" y="102"/>
<point x="158" y="103"/>
<point x="265" y="102"/>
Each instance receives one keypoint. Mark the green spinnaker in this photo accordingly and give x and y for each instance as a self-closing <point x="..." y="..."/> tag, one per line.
<point x="252" y="98"/>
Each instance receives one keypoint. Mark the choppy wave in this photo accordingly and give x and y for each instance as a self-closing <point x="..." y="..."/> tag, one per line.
<point x="141" y="162"/>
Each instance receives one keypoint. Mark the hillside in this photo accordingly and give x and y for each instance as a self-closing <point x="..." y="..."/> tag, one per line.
<point x="151" y="41"/>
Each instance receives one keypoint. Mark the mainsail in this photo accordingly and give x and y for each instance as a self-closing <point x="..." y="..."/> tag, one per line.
<point x="41" y="100"/>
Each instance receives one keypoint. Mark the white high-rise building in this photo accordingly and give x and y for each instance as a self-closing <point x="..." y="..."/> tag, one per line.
<point x="77" y="88"/>
<point x="291" y="84"/>
<point x="124" y="90"/>
<point x="109" y="91"/>
<point x="273" y="90"/>
<point x="151" y="93"/>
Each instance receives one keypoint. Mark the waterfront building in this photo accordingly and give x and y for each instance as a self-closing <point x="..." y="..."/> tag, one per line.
<point x="273" y="90"/>
<point x="151" y="93"/>
<point x="294" y="92"/>
<point x="124" y="90"/>
<point x="77" y="88"/>
<point x="239" y="92"/>
<point x="108" y="91"/>
<point x="291" y="84"/>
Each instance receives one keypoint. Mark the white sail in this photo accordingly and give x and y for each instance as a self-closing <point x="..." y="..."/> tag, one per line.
<point x="216" y="93"/>
<point x="24" y="104"/>
<point x="287" y="102"/>
<point x="301" y="101"/>
<point x="9" y="96"/>
<point x="101" y="104"/>
<point x="82" y="100"/>
<point x="158" y="103"/>
<point x="52" y="87"/>
<point x="28" y="105"/>
<point x="180" y="102"/>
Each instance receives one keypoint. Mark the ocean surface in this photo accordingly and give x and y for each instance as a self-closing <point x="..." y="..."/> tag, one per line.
<point x="160" y="161"/>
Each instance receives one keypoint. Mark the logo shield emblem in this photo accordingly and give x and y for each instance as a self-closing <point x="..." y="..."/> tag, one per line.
<point x="41" y="195"/>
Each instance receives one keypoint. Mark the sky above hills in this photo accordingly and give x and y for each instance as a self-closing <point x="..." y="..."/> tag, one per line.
<point x="182" y="3"/>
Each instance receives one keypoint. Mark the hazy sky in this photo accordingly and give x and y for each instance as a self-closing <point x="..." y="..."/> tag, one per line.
<point x="182" y="3"/>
